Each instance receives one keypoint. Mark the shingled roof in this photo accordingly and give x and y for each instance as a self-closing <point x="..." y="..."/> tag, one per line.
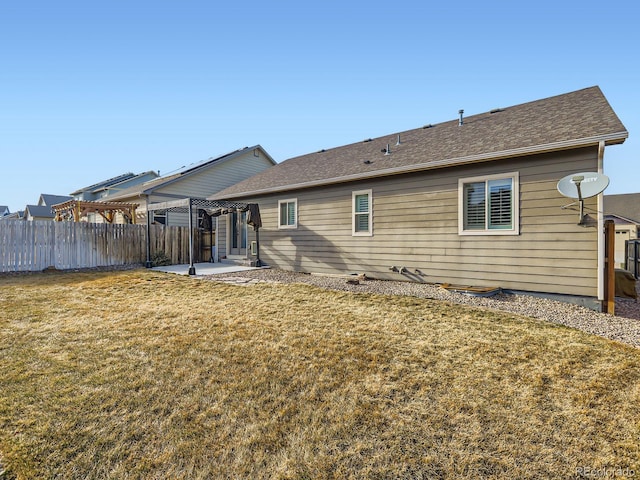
<point x="625" y="205"/>
<point x="104" y="183"/>
<point x="572" y="120"/>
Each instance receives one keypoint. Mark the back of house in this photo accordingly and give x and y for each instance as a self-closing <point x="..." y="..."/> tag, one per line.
<point x="473" y="201"/>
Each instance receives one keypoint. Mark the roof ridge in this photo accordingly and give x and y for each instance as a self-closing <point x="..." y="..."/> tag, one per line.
<point x="570" y="120"/>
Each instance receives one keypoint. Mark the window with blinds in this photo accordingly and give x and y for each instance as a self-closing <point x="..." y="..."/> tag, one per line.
<point x="288" y="213"/>
<point x="362" y="218"/>
<point x="488" y="205"/>
<point x="500" y="213"/>
<point x="474" y="206"/>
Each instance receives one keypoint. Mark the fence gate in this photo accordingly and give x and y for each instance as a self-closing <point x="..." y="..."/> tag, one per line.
<point x="632" y="260"/>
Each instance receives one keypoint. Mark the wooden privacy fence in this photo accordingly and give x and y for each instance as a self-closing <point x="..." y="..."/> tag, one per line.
<point x="633" y="257"/>
<point x="174" y="242"/>
<point x="33" y="246"/>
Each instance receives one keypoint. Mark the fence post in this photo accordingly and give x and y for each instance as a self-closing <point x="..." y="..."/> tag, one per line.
<point x="609" y="302"/>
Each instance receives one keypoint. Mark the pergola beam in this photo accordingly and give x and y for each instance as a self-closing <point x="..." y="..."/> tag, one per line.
<point x="75" y="209"/>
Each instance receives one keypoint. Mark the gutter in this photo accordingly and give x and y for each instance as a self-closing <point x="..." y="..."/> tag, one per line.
<point x="601" y="239"/>
<point x="610" y="139"/>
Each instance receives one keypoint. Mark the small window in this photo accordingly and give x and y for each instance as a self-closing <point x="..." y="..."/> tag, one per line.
<point x="160" y="218"/>
<point x="362" y="213"/>
<point x="488" y="205"/>
<point x="288" y="213"/>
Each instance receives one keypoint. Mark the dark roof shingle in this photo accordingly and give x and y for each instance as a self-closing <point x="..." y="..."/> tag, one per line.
<point x="625" y="204"/>
<point x="574" y="119"/>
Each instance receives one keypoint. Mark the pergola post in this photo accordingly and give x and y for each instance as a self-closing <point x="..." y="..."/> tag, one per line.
<point x="258" y="261"/>
<point x="148" y="264"/>
<point x="192" y="268"/>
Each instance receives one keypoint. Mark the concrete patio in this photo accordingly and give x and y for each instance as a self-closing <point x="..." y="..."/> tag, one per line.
<point x="203" y="269"/>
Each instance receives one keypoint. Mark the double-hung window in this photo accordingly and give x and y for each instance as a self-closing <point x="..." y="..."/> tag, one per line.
<point x="489" y="205"/>
<point x="362" y="213"/>
<point x="288" y="213"/>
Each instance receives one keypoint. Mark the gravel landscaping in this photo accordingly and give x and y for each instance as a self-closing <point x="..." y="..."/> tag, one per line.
<point x="623" y="327"/>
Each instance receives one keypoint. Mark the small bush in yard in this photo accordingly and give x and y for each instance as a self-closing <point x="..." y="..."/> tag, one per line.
<point x="160" y="259"/>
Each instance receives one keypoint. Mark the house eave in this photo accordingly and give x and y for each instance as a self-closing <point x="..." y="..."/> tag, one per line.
<point x="609" y="139"/>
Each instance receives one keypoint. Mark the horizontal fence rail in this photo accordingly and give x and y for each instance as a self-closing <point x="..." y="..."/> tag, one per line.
<point x="33" y="246"/>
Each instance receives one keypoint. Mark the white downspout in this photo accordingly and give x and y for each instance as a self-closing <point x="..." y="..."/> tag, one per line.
<point x="600" y="208"/>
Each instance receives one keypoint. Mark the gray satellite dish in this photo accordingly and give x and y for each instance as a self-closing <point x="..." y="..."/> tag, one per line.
<point x="582" y="185"/>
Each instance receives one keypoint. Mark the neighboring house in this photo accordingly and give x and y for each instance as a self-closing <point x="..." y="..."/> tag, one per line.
<point x="38" y="212"/>
<point x="624" y="210"/>
<point x="472" y="201"/>
<point x="19" y="215"/>
<point x="197" y="181"/>
<point x="102" y="191"/>
<point x="4" y="211"/>
<point x="42" y="210"/>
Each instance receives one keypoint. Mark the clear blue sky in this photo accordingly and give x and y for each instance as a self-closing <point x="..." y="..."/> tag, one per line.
<point x="93" y="89"/>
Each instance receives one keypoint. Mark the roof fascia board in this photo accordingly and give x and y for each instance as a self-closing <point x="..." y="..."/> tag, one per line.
<point x="629" y="220"/>
<point x="182" y="202"/>
<point x="484" y="157"/>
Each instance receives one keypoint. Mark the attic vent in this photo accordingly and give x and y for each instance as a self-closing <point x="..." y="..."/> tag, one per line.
<point x="321" y="151"/>
<point x="428" y="126"/>
<point x="367" y="162"/>
<point x="367" y="140"/>
<point x="496" y="110"/>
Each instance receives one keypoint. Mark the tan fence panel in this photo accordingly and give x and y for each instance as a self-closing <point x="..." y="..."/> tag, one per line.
<point x="33" y="246"/>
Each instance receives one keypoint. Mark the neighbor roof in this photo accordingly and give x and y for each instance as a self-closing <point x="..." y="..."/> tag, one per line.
<point x="105" y="183"/>
<point x="43" y="211"/>
<point x="147" y="188"/>
<point x="572" y="120"/>
<point x="625" y="205"/>
<point x="49" y="199"/>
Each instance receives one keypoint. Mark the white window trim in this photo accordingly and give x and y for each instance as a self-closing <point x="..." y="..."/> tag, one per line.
<point x="515" y="230"/>
<point x="353" y="213"/>
<point x="295" y="222"/>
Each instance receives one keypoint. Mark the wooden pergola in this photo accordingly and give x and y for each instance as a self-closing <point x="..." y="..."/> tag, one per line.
<point x="74" y="210"/>
<point x="213" y="208"/>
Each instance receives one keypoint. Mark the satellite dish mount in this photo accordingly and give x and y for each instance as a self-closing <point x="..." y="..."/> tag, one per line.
<point x="581" y="186"/>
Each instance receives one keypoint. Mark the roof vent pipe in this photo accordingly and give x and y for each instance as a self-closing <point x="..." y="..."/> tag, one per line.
<point x="460" y="122"/>
<point x="398" y="142"/>
<point x="388" y="152"/>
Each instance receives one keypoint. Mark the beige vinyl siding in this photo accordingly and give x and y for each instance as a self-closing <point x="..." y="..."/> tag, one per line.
<point x="218" y="176"/>
<point x="209" y="180"/>
<point x="415" y="225"/>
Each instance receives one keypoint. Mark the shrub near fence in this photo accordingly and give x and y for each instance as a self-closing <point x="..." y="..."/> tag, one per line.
<point x="33" y="246"/>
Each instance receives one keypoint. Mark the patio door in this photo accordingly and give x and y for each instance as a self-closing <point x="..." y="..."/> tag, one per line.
<point x="238" y="233"/>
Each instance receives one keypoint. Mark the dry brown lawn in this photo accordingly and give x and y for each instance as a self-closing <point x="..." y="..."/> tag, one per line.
<point x="146" y="375"/>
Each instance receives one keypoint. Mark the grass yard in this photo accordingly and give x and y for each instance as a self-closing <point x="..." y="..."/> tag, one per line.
<point x="138" y="374"/>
